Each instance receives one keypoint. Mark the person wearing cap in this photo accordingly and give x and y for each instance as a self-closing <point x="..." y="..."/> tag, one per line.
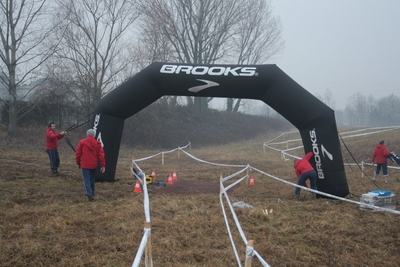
<point x="380" y="155"/>
<point x="89" y="153"/>
<point x="305" y="171"/>
<point x="52" y="138"/>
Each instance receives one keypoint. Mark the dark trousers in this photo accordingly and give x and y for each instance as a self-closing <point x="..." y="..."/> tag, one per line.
<point x="384" y="169"/>
<point x="312" y="176"/>
<point x="54" y="159"/>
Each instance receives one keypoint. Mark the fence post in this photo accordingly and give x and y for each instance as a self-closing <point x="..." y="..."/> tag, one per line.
<point x="362" y="169"/>
<point x="249" y="253"/>
<point x="162" y="158"/>
<point x="148" y="256"/>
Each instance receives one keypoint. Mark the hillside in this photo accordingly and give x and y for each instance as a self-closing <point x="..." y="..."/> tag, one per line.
<point x="162" y="126"/>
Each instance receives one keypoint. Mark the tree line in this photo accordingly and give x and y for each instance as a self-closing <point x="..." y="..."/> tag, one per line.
<point x="73" y="52"/>
<point x="58" y="58"/>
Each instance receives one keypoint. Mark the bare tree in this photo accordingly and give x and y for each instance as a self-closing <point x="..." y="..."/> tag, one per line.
<point x="256" y="40"/>
<point x="96" y="44"/>
<point x="385" y="112"/>
<point x="204" y="31"/>
<point x="24" y="30"/>
<point x="327" y="98"/>
<point x="359" y="108"/>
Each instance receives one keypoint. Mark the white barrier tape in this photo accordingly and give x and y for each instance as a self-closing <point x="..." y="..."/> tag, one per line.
<point x="137" y="166"/>
<point x="273" y="148"/>
<point x="137" y="177"/>
<point x="373" y="165"/>
<point x="262" y="261"/>
<point x="225" y="189"/>
<point x="141" y="248"/>
<point x="329" y="195"/>
<point x="142" y="159"/>
<point x="158" y="154"/>
<point x="284" y="142"/>
<point x="146" y="201"/>
<point x="382" y="129"/>
<point x="249" y="252"/>
<point x="224" y="179"/>
<point x="211" y="163"/>
<point x="238" y="226"/>
<point x="282" y="134"/>
<point x="229" y="229"/>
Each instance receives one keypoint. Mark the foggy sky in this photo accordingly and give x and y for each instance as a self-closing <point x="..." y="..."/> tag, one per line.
<point x="346" y="46"/>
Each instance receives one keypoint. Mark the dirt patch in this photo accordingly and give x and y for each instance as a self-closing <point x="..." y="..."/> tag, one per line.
<point x="185" y="187"/>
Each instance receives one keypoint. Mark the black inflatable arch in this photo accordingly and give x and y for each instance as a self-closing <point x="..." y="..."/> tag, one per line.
<point x="315" y="121"/>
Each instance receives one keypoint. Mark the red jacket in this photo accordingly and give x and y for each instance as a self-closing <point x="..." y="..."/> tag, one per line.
<point x="89" y="152"/>
<point x="302" y="166"/>
<point x="380" y="154"/>
<point x="52" y="139"/>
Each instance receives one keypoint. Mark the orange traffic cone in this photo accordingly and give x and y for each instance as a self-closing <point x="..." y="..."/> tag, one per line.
<point x="170" y="180"/>
<point x="137" y="187"/>
<point x="174" y="177"/>
<point x="251" y="180"/>
<point x="153" y="173"/>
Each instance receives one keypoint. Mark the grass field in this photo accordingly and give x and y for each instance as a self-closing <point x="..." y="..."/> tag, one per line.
<point x="47" y="221"/>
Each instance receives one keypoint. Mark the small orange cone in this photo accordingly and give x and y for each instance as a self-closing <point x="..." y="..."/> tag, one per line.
<point x="137" y="187"/>
<point x="174" y="177"/>
<point x="170" y="180"/>
<point x="153" y="173"/>
<point x="252" y="180"/>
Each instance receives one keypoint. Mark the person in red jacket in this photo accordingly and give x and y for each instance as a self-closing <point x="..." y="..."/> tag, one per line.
<point x="380" y="155"/>
<point x="89" y="153"/>
<point x="52" y="138"/>
<point x="305" y="171"/>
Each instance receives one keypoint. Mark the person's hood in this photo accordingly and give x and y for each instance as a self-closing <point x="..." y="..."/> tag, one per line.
<point x="90" y="142"/>
<point x="380" y="146"/>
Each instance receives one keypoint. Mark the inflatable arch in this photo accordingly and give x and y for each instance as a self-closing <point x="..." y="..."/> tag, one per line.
<point x="315" y="121"/>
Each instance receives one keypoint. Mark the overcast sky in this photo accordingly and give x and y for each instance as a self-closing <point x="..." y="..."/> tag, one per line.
<point x="346" y="46"/>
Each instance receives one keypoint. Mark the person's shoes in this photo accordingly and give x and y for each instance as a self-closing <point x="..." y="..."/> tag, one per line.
<point x="386" y="181"/>
<point x="90" y="198"/>
<point x="296" y="197"/>
<point x="56" y="174"/>
<point x="314" y="196"/>
<point x="373" y="180"/>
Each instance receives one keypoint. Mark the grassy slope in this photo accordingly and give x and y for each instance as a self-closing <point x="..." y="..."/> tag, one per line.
<point x="47" y="221"/>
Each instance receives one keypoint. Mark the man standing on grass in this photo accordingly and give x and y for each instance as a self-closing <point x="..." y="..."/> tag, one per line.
<point x="89" y="153"/>
<point x="52" y="138"/>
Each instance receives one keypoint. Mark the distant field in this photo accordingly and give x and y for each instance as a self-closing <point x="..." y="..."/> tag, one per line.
<point x="47" y="221"/>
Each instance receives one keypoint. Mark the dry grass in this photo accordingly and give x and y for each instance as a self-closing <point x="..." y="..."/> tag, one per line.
<point x="47" y="221"/>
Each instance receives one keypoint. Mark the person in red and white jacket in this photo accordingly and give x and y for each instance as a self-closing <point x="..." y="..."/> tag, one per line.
<point x="52" y="138"/>
<point x="380" y="155"/>
<point x="89" y="153"/>
<point x="305" y="171"/>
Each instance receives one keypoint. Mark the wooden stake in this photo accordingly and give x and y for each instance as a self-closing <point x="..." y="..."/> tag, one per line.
<point x="148" y="256"/>
<point x="362" y="169"/>
<point x="249" y="253"/>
